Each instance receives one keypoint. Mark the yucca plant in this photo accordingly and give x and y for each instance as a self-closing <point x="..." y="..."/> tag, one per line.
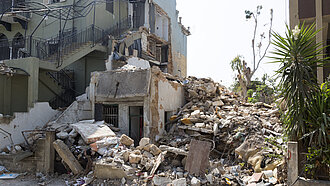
<point x="318" y="118"/>
<point x="307" y="116"/>
<point x="297" y="54"/>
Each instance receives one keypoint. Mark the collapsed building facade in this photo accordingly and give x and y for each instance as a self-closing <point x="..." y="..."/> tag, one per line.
<point x="52" y="47"/>
<point x="138" y="102"/>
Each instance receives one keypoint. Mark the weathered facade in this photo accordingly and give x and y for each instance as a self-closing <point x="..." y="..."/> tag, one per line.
<point x="52" y="48"/>
<point x="138" y="102"/>
<point x="318" y="12"/>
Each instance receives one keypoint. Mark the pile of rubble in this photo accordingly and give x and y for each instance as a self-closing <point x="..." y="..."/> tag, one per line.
<point x="215" y="138"/>
<point x="236" y="128"/>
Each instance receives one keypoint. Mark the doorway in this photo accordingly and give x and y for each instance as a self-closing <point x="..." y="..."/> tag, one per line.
<point x="136" y="123"/>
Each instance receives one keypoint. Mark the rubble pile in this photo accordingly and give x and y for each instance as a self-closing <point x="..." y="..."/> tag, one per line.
<point x="250" y="131"/>
<point x="214" y="139"/>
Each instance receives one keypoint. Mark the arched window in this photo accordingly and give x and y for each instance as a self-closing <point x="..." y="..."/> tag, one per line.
<point x="18" y="42"/>
<point x="4" y="47"/>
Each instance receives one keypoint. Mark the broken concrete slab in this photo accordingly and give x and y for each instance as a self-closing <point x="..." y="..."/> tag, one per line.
<point x="198" y="157"/>
<point x="67" y="156"/>
<point x="173" y="150"/>
<point x="92" y="132"/>
<point x="161" y="181"/>
<point x="159" y="160"/>
<point x="179" y="182"/>
<point x="104" y="170"/>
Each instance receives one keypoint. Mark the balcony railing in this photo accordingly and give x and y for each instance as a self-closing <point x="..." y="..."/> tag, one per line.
<point x="6" y="6"/>
<point x="55" y="48"/>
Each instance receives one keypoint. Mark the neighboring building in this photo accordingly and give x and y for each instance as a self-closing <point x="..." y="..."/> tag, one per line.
<point x="318" y="12"/>
<point x="54" y="45"/>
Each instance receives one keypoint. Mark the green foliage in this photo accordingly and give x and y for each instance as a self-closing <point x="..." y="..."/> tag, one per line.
<point x="316" y="157"/>
<point x="237" y="63"/>
<point x="262" y="91"/>
<point x="318" y="120"/>
<point x="297" y="54"/>
<point x="308" y="105"/>
<point x="249" y="14"/>
<point x="273" y="141"/>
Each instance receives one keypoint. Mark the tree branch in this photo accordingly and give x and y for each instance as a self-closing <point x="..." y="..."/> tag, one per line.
<point x="269" y="39"/>
<point x="255" y="17"/>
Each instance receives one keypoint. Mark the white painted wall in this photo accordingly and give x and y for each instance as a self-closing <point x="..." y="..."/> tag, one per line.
<point x="146" y="17"/>
<point x="161" y="25"/>
<point x="123" y="112"/>
<point x="138" y="62"/>
<point x="170" y="99"/>
<point x="123" y="120"/>
<point x="38" y="116"/>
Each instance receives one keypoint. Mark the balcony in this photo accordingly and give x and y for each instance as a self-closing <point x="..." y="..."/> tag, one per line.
<point x="11" y="13"/>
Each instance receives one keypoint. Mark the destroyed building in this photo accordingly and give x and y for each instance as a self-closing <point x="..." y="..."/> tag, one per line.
<point x="52" y="47"/>
<point x="99" y="90"/>
<point x="139" y="102"/>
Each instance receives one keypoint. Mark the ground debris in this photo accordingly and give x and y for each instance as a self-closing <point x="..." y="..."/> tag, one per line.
<point x="238" y="142"/>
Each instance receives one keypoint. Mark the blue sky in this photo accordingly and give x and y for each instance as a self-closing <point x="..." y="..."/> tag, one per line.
<point x="220" y="32"/>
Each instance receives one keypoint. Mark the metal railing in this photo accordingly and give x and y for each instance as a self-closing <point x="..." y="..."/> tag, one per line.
<point x="55" y="49"/>
<point x="9" y="5"/>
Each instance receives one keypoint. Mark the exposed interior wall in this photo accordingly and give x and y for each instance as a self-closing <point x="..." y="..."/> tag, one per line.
<point x="38" y="116"/>
<point x="165" y="96"/>
<point x="140" y="14"/>
<point x="161" y="26"/>
<point x="177" y="37"/>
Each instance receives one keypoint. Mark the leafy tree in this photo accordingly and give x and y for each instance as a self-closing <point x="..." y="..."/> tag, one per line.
<point x="245" y="73"/>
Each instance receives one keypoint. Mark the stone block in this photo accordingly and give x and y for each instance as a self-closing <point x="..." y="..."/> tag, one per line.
<point x="144" y="141"/>
<point x="107" y="171"/>
<point x="134" y="158"/>
<point x="125" y="140"/>
<point x="154" y="150"/>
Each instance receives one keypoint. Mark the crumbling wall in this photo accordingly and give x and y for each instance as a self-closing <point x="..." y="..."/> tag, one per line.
<point x="180" y="64"/>
<point x="165" y="95"/>
<point x="177" y="37"/>
<point x="113" y="85"/>
<point x="77" y="111"/>
<point x="38" y="116"/>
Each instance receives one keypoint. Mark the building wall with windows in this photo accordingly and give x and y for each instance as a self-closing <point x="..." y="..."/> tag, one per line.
<point x="314" y="11"/>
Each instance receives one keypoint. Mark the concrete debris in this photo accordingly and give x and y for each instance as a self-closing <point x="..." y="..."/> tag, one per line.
<point x="214" y="139"/>
<point x="173" y="150"/>
<point x="197" y="160"/>
<point x="195" y="182"/>
<point x="67" y="156"/>
<point x="92" y="132"/>
<point x="126" y="140"/>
